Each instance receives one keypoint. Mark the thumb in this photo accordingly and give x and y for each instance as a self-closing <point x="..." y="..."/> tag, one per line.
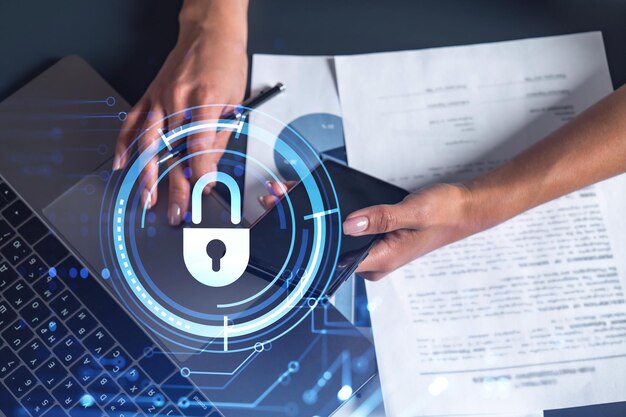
<point x="383" y="218"/>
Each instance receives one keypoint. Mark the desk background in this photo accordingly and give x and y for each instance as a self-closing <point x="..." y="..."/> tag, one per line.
<point x="127" y="40"/>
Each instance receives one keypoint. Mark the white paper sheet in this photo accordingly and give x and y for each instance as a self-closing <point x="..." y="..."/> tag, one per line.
<point x="529" y="315"/>
<point x="311" y="88"/>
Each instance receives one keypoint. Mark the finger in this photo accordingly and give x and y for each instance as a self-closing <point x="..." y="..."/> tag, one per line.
<point x="388" y="254"/>
<point x="179" y="190"/>
<point x="206" y="161"/>
<point x="128" y="132"/>
<point x="148" y="143"/>
<point x="279" y="189"/>
<point x="267" y="201"/>
<point x="178" y="198"/>
<point x="411" y="213"/>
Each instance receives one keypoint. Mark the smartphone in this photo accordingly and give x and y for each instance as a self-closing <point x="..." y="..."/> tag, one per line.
<point x="271" y="235"/>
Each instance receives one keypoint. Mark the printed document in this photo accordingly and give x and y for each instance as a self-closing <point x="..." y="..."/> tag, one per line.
<point x="311" y="88"/>
<point x="531" y="314"/>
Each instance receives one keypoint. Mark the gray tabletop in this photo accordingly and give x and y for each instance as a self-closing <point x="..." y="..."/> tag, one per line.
<point x="126" y="41"/>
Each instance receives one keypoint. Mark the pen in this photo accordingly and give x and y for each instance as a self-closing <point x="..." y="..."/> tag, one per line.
<point x="240" y="111"/>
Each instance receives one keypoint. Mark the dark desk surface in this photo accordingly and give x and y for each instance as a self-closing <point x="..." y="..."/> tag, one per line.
<point x="126" y="41"/>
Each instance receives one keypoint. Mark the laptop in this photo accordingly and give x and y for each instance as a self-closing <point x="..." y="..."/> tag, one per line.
<point x="69" y="345"/>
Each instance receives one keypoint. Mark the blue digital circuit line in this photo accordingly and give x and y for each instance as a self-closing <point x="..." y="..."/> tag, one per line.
<point x="246" y="360"/>
<point x="346" y="374"/>
<point x="321" y="213"/>
<point x="349" y="330"/>
<point x="337" y="324"/>
<point x="261" y="397"/>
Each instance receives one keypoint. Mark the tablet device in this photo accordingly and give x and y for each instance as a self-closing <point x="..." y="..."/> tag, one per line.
<point x="270" y="235"/>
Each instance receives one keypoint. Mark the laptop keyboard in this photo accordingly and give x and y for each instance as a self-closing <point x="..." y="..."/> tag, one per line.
<point x="66" y="348"/>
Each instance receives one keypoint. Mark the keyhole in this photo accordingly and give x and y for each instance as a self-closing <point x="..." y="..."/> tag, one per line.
<point x="216" y="249"/>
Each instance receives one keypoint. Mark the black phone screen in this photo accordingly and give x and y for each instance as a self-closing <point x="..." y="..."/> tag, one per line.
<point x="271" y="235"/>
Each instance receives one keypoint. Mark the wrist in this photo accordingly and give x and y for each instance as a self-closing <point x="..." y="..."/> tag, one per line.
<point x="221" y="19"/>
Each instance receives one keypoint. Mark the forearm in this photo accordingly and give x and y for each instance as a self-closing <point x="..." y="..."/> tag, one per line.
<point x="590" y="148"/>
<point x="226" y="19"/>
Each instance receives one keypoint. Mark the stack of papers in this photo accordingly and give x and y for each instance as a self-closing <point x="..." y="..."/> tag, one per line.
<point x="527" y="316"/>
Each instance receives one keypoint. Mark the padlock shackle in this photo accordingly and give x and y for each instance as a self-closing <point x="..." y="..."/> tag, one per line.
<point x="233" y="190"/>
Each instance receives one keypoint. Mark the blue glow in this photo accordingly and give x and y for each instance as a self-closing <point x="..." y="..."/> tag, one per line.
<point x="52" y="326"/>
<point x="84" y="273"/>
<point x="87" y="401"/>
<point x="73" y="272"/>
<point x="294" y="366"/>
<point x="344" y="393"/>
<point x="52" y="272"/>
<point x="106" y="274"/>
<point x="318" y="231"/>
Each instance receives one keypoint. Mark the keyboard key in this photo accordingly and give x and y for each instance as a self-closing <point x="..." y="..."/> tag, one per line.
<point x="151" y="400"/>
<point x="35" y="312"/>
<point x="177" y="387"/>
<point x="86" y="370"/>
<point x="111" y="315"/>
<point x="87" y="408"/>
<point x="56" y="411"/>
<point x="33" y="230"/>
<point x="47" y="287"/>
<point x="17" y="334"/>
<point x="16" y="213"/>
<point x="116" y="361"/>
<point x="32" y="268"/>
<point x="38" y="401"/>
<point x="7" y="275"/>
<point x="6" y="232"/>
<point x="134" y="380"/>
<point x="51" y="335"/>
<point x="170" y="411"/>
<point x="18" y="294"/>
<point x="8" y="361"/>
<point x="20" y="381"/>
<point x="15" y="251"/>
<point x="82" y="323"/>
<point x="121" y="406"/>
<point x="34" y="353"/>
<point x="7" y="315"/>
<point x="68" y="393"/>
<point x="51" y="373"/>
<point x="51" y="250"/>
<point x="198" y="406"/>
<point x="104" y="389"/>
<point x="69" y="269"/>
<point x="157" y="365"/>
<point x="6" y="194"/>
<point x="65" y="305"/>
<point x="99" y="342"/>
<point x="69" y="350"/>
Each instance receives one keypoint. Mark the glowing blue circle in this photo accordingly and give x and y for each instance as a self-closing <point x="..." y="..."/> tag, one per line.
<point x="164" y="313"/>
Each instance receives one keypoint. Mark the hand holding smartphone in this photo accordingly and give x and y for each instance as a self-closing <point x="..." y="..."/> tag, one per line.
<point x="355" y="190"/>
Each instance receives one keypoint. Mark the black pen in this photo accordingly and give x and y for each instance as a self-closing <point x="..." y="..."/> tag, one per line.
<point x="241" y="110"/>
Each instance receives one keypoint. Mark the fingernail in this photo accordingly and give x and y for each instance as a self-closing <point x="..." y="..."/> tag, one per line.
<point x="116" y="163"/>
<point x="268" y="187"/>
<point x="175" y="214"/>
<point x="261" y="201"/>
<point x="355" y="225"/>
<point x="147" y="199"/>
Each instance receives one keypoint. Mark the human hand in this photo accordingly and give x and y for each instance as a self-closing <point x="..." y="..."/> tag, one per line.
<point x="424" y="221"/>
<point x="208" y="65"/>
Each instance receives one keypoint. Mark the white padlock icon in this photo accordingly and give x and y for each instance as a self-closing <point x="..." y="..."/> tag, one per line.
<point x="216" y="257"/>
